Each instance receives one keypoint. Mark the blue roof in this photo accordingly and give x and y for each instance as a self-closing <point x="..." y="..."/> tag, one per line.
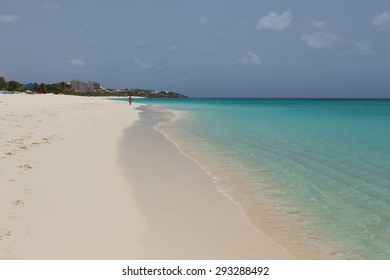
<point x="31" y="85"/>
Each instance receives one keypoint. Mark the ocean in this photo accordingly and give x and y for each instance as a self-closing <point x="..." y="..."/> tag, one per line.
<point x="312" y="174"/>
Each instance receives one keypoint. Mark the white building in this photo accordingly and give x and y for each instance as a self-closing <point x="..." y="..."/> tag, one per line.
<point x="80" y="86"/>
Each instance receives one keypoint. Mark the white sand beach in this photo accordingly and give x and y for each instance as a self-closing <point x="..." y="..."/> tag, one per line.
<point x="65" y="192"/>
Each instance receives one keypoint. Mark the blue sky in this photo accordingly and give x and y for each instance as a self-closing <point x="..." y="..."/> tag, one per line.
<point x="213" y="48"/>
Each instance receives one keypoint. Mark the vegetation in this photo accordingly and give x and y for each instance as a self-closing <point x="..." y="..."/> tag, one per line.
<point x="3" y="83"/>
<point x="152" y="94"/>
<point x="133" y="92"/>
<point x="64" y="88"/>
<point x="12" y="85"/>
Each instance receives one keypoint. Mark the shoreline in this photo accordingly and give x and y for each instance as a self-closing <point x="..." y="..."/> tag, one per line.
<point x="288" y="187"/>
<point x="280" y="229"/>
<point x="73" y="187"/>
<point x="206" y="223"/>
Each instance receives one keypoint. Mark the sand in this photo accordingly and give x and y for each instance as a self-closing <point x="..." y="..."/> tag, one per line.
<point x="62" y="195"/>
<point x="87" y="178"/>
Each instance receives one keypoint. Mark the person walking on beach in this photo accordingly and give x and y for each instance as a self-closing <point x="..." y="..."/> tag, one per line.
<point x="130" y="99"/>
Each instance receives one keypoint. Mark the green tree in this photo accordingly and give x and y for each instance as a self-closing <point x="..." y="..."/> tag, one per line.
<point x="42" y="87"/>
<point x="2" y="83"/>
<point x="12" y="85"/>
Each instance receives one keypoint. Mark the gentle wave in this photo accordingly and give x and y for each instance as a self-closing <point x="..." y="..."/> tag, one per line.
<point x="312" y="174"/>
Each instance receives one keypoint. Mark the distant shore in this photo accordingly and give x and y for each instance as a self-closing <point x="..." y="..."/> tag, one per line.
<point x="89" y="178"/>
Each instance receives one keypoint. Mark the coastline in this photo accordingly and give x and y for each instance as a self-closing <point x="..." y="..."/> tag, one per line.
<point x="70" y="190"/>
<point x="188" y="217"/>
<point x="305" y="196"/>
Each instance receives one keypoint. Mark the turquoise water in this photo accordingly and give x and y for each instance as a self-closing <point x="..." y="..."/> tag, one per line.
<point x="313" y="174"/>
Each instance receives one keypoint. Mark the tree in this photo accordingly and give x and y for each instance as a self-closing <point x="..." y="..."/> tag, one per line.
<point x="2" y="83"/>
<point x="42" y="87"/>
<point x="12" y="85"/>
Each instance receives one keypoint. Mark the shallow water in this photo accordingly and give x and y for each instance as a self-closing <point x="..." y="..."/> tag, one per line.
<point x="313" y="174"/>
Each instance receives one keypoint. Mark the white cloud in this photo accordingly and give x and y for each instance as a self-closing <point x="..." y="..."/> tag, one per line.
<point x="146" y="66"/>
<point x="48" y="4"/>
<point x="141" y="64"/>
<point x="203" y="20"/>
<point x="320" y="36"/>
<point x="318" y="24"/>
<point x="274" y="21"/>
<point x="364" y="49"/>
<point x="77" y="62"/>
<point x="250" y="58"/>
<point x="174" y="49"/>
<point x="382" y="20"/>
<point x="244" y="22"/>
<point x="359" y="49"/>
<point x="9" y="18"/>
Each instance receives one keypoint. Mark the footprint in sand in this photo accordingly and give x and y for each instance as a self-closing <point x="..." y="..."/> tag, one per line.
<point x="25" y="166"/>
<point x="14" y="217"/>
<point x="26" y="191"/>
<point x="18" y="202"/>
<point x="4" y="233"/>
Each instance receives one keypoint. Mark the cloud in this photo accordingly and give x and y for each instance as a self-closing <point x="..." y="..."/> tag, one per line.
<point x="319" y="24"/>
<point x="274" y="21"/>
<point x="174" y="49"/>
<point x="141" y="64"/>
<point x="250" y="58"/>
<point x="363" y="49"/>
<point x="9" y="18"/>
<point x="203" y="20"/>
<point x="320" y="36"/>
<point x="146" y="66"/>
<point x="48" y="4"/>
<point x="244" y="22"/>
<point x="360" y="49"/>
<point x="382" y="20"/>
<point x="77" y="62"/>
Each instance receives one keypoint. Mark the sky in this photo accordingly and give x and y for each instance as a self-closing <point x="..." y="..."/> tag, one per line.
<point x="202" y="48"/>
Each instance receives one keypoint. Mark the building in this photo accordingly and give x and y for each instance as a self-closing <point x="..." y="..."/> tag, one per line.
<point x="93" y="86"/>
<point x="76" y="85"/>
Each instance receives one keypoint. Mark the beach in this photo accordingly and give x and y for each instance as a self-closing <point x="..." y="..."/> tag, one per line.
<point x="90" y="178"/>
<point x="312" y="174"/>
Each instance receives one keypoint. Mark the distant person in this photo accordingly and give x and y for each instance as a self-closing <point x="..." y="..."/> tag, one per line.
<point x="130" y="99"/>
